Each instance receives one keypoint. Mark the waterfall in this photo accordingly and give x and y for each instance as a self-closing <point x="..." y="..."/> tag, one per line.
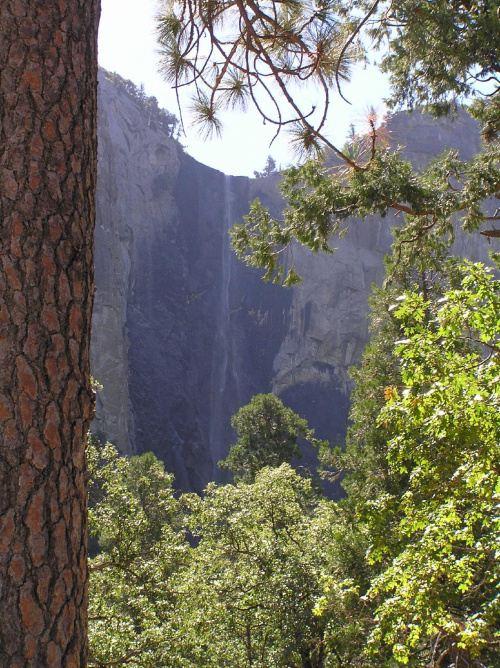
<point x="222" y="342"/>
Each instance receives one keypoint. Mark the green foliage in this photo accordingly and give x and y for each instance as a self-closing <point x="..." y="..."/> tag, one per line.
<point x="432" y="273"/>
<point x="437" y="54"/>
<point x="404" y="571"/>
<point x="441" y="51"/>
<point x="268" y="433"/>
<point x="359" y="527"/>
<point x="250" y="593"/>
<point x="322" y="199"/>
<point x="439" y="590"/>
<point x="205" y="113"/>
<point x="137" y="521"/>
<point x="244" y="595"/>
<point x="413" y="565"/>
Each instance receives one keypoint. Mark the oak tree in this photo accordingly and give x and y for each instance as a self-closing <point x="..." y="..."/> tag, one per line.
<point x="138" y="524"/>
<point x="250" y="592"/>
<point x="438" y="595"/>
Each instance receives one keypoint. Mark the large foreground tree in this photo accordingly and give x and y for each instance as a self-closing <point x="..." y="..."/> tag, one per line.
<point x="48" y="86"/>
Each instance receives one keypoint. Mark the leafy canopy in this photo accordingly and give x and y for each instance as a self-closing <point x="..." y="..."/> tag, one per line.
<point x="268" y="435"/>
<point x="138" y="524"/>
<point x="441" y="586"/>
<point x="250" y="593"/>
<point x="404" y="571"/>
<point x="240" y="593"/>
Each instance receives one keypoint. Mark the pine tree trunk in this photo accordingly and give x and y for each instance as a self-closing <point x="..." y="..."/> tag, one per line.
<point x="48" y="86"/>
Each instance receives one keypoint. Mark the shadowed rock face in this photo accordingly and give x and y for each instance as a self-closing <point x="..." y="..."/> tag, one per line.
<point x="183" y="333"/>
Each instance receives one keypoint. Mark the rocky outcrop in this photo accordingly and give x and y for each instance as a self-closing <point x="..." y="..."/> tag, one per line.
<point x="183" y="333"/>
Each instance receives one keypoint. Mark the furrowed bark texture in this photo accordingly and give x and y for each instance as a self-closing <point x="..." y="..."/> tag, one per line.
<point x="48" y="86"/>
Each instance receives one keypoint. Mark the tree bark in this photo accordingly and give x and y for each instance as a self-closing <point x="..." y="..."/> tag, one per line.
<point x="48" y="90"/>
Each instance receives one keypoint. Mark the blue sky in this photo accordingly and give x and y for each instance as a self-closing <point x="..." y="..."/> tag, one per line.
<point x="127" y="46"/>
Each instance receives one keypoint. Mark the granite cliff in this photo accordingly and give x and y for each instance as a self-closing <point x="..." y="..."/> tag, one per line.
<point x="183" y="333"/>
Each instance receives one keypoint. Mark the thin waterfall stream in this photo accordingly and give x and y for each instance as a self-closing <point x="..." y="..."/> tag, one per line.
<point x="222" y="343"/>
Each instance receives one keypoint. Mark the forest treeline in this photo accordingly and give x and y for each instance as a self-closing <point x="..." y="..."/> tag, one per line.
<point x="158" y="118"/>
<point x="267" y="572"/>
